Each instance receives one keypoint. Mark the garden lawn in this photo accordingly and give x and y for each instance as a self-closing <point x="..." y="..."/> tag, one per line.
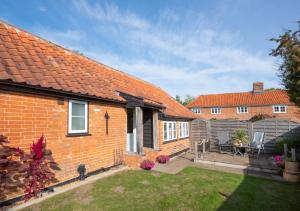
<point x="191" y="189"/>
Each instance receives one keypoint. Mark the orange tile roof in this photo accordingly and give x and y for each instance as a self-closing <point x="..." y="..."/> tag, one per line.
<point x="31" y="60"/>
<point x="270" y="97"/>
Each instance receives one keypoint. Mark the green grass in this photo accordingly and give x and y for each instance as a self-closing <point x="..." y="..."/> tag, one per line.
<point x="191" y="189"/>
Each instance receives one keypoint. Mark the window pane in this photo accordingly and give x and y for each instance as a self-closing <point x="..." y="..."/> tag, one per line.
<point x="282" y="108"/>
<point x="170" y="130"/>
<point x="78" y="109"/>
<point x="174" y="129"/>
<point x="78" y="123"/>
<point x="165" y="131"/>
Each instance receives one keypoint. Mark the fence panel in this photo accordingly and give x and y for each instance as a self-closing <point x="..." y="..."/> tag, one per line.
<point x="273" y="129"/>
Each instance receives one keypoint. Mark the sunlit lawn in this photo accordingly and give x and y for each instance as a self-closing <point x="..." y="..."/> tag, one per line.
<point x="191" y="189"/>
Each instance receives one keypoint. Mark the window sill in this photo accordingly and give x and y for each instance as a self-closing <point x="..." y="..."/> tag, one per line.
<point x="170" y="141"/>
<point x="78" y="134"/>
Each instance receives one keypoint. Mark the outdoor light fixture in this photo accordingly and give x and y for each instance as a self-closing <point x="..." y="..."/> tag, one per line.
<point x="81" y="170"/>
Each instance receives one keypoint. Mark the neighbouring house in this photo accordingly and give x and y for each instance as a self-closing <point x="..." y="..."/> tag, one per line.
<point x="244" y="105"/>
<point x="89" y="113"/>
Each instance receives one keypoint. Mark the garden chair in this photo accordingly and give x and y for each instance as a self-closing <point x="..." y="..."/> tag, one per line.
<point x="257" y="143"/>
<point x="223" y="141"/>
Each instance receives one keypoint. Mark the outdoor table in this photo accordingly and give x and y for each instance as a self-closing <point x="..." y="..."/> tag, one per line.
<point x="238" y="149"/>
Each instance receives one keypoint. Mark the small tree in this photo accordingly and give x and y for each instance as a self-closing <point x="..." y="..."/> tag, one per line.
<point x="37" y="169"/>
<point x="178" y="99"/>
<point x="10" y="179"/>
<point x="289" y="50"/>
<point x="188" y="99"/>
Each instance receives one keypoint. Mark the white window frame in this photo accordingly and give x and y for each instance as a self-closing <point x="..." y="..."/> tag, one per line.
<point x="214" y="109"/>
<point x="70" y="131"/>
<point x="279" y="109"/>
<point x="242" y="109"/>
<point x="170" y="133"/>
<point x="184" y="130"/>
<point x="196" y="110"/>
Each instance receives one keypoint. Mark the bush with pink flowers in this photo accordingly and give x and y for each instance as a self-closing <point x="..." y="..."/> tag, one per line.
<point x="147" y="164"/>
<point x="279" y="160"/>
<point x="162" y="158"/>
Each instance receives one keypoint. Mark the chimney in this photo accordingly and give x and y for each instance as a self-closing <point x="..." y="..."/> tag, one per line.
<point x="258" y="87"/>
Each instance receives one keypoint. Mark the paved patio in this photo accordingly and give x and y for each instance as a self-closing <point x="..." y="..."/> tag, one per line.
<point x="265" y="160"/>
<point x="179" y="163"/>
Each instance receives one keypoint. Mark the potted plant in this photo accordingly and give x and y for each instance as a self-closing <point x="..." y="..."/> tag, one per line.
<point x="147" y="164"/>
<point x="240" y="137"/>
<point x="163" y="159"/>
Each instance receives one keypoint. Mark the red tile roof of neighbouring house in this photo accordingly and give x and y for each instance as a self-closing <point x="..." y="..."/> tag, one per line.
<point x="268" y="97"/>
<point x="31" y="60"/>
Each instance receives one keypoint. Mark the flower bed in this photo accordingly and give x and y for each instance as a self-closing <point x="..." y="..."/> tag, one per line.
<point x="162" y="158"/>
<point x="147" y="164"/>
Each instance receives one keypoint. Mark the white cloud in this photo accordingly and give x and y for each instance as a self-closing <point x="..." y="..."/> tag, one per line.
<point x="110" y="12"/>
<point x="173" y="52"/>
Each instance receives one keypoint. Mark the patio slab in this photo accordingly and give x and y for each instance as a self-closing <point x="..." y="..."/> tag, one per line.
<point x="264" y="162"/>
<point x="241" y="165"/>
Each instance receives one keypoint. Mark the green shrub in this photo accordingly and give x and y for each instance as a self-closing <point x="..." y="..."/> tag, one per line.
<point x="240" y="136"/>
<point x="258" y="117"/>
<point x="292" y="142"/>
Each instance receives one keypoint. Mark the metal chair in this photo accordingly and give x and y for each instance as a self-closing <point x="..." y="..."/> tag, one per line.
<point x="257" y="143"/>
<point x="223" y="141"/>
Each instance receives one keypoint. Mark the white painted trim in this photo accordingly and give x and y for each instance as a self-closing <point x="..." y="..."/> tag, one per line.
<point x="85" y="120"/>
<point x="279" y="112"/>
<point x="237" y="110"/>
<point x="168" y="136"/>
<point x="211" y="110"/>
<point x="186" y="131"/>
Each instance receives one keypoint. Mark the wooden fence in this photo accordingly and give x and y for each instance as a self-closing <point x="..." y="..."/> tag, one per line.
<point x="273" y="129"/>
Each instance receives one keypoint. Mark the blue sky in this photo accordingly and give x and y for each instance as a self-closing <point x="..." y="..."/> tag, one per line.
<point x="185" y="47"/>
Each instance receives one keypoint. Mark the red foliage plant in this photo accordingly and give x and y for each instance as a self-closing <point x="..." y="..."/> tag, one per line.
<point x="10" y="178"/>
<point x="162" y="158"/>
<point x="37" y="169"/>
<point x="147" y="164"/>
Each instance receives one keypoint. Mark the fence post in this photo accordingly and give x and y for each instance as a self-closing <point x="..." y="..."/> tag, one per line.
<point x="285" y="149"/>
<point x="208" y="131"/>
<point x="196" y="150"/>
<point x="250" y="130"/>
<point x="293" y="154"/>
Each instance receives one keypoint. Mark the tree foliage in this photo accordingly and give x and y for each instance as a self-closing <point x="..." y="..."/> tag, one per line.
<point x="187" y="100"/>
<point x="10" y="178"/>
<point x="288" y="50"/>
<point x="36" y="167"/>
<point x="28" y="171"/>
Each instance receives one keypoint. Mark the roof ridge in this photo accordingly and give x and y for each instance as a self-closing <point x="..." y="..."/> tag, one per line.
<point x="241" y="92"/>
<point x="78" y="54"/>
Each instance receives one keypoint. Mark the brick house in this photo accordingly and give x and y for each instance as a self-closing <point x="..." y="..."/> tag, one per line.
<point x="244" y="105"/>
<point x="89" y="113"/>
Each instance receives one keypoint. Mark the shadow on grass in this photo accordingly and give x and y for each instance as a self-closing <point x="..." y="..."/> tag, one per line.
<point x="262" y="194"/>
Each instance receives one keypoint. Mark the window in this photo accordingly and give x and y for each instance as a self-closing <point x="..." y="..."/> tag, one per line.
<point x="279" y="108"/>
<point x="242" y="109"/>
<point x="196" y="110"/>
<point x="78" y="116"/>
<point x="170" y="131"/>
<point x="216" y="110"/>
<point x="184" y="129"/>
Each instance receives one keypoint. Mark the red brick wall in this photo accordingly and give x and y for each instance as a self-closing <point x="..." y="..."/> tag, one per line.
<point x="25" y="117"/>
<point x="293" y="112"/>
